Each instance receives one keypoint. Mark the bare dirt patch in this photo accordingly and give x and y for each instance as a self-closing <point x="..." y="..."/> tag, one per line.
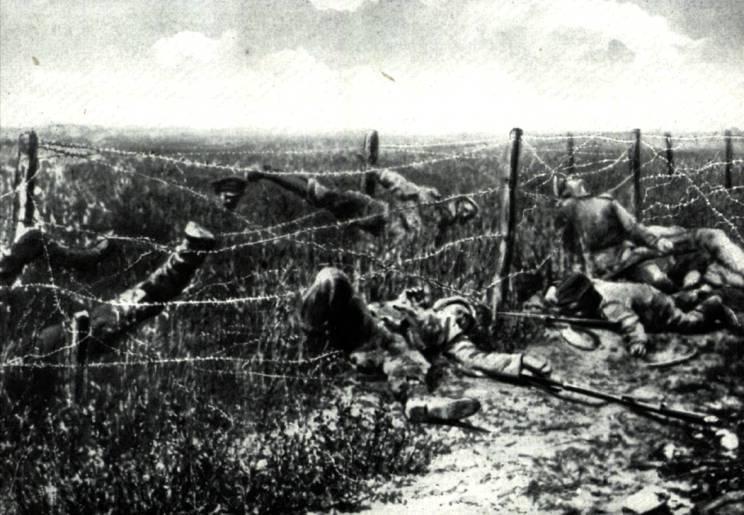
<point x="533" y="452"/>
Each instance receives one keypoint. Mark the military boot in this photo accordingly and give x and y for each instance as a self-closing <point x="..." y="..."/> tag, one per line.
<point x="433" y="408"/>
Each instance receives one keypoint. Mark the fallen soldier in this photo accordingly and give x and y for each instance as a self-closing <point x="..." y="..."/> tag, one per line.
<point x="111" y="319"/>
<point x="398" y="219"/>
<point x="401" y="338"/>
<point x="613" y="245"/>
<point x="638" y="309"/>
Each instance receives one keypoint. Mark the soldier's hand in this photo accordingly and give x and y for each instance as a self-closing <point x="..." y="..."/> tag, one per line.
<point x="638" y="350"/>
<point x="536" y="365"/>
<point x="664" y="245"/>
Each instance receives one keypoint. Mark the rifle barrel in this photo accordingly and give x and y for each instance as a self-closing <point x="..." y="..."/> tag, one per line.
<point x="584" y="322"/>
<point x="625" y="400"/>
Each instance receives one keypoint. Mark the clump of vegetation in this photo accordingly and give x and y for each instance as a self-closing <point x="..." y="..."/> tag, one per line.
<point x="170" y="454"/>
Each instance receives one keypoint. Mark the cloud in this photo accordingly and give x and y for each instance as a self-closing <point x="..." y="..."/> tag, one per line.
<point x="192" y="48"/>
<point x="470" y="65"/>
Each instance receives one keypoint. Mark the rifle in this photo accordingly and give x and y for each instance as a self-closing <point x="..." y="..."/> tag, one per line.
<point x="625" y="400"/>
<point x="583" y="322"/>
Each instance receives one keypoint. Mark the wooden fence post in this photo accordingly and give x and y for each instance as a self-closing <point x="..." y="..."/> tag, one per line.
<point x="76" y="357"/>
<point x="729" y="159"/>
<point x="571" y="165"/>
<point x="669" y="153"/>
<point x="507" y="221"/>
<point x="370" y="156"/>
<point x="26" y="167"/>
<point x="82" y="320"/>
<point x="635" y="168"/>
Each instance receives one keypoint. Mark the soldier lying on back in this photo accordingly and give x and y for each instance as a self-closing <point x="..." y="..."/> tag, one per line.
<point x="613" y="244"/>
<point x="399" y="218"/>
<point x="638" y="309"/>
<point x="401" y="338"/>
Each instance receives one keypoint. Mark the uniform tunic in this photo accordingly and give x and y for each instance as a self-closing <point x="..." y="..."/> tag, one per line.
<point x="378" y="336"/>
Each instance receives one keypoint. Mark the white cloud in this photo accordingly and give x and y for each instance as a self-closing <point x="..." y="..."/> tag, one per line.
<point x="538" y="64"/>
<point x="190" y="47"/>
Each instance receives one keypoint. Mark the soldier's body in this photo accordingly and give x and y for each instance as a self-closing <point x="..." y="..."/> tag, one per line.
<point x="638" y="309"/>
<point x="612" y="244"/>
<point x="110" y="320"/>
<point x="401" y="338"/>
<point x="397" y="216"/>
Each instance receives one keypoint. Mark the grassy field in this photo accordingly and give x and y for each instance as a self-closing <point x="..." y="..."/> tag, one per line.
<point x="250" y="421"/>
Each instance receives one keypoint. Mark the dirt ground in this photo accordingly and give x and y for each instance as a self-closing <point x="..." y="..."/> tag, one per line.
<point x="533" y="452"/>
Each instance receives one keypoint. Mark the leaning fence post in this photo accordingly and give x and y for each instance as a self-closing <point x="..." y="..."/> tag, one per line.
<point x="571" y="164"/>
<point x="729" y="159"/>
<point x="370" y="156"/>
<point x="669" y="153"/>
<point x="507" y="220"/>
<point x="635" y="168"/>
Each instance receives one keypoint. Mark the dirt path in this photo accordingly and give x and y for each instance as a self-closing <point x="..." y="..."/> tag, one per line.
<point x="543" y="454"/>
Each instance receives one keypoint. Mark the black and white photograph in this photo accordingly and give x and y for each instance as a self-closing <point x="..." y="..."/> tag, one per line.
<point x="372" y="256"/>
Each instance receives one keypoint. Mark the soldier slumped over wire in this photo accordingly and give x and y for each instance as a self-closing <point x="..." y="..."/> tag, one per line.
<point x="612" y="244"/>
<point x="638" y="309"/>
<point x="399" y="218"/>
<point x="112" y="319"/>
<point x="401" y="339"/>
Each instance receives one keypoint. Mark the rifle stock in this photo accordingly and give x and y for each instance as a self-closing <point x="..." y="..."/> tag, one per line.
<point x="626" y="400"/>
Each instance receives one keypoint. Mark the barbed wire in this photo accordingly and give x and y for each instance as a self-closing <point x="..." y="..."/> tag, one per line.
<point x="696" y="137"/>
<point x="705" y="199"/>
<point x="384" y="264"/>
<point x="565" y="137"/>
<point x="19" y="363"/>
<point x="51" y="145"/>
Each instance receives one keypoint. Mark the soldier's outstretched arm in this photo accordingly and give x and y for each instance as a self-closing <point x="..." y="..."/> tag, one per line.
<point x="111" y="319"/>
<point x="296" y="184"/>
<point x="630" y="326"/>
<point x="231" y="189"/>
<point x="639" y="233"/>
<point x="405" y="189"/>
<point x="498" y="364"/>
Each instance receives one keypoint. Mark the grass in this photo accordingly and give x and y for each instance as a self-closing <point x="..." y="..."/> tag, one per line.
<point x="249" y="435"/>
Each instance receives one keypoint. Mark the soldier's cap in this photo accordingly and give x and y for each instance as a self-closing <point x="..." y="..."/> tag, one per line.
<point x="576" y="289"/>
<point x="233" y="184"/>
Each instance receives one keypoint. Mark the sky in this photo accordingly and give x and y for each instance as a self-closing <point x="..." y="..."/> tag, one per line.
<point x="404" y="66"/>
